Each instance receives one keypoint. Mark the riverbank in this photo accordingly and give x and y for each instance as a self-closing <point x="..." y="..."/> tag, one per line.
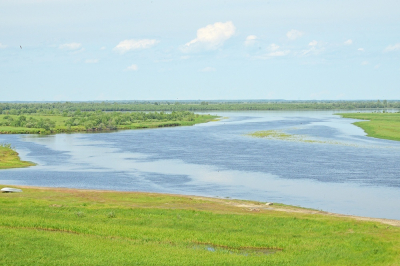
<point x="96" y="122"/>
<point x="9" y="158"/>
<point x="379" y="125"/>
<point x="70" y="226"/>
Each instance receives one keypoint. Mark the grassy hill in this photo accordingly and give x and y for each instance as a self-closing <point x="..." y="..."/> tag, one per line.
<point x="81" y="227"/>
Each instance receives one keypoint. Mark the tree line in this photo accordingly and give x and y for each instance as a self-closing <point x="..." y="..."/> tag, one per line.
<point x="98" y="120"/>
<point x="66" y="108"/>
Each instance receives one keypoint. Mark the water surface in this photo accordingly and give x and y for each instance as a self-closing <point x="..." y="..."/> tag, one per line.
<point x="345" y="172"/>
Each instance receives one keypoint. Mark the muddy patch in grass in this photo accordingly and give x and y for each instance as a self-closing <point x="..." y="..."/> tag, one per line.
<point x="244" y="251"/>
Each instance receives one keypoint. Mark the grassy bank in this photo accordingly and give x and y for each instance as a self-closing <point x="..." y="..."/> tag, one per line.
<point x="9" y="158"/>
<point x="380" y="125"/>
<point x="90" y="122"/>
<point x="77" y="227"/>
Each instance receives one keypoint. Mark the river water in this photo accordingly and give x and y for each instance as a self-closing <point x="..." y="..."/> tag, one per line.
<point x="333" y="167"/>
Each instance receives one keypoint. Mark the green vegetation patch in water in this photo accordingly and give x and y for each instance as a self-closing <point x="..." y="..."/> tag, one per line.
<point x="279" y="135"/>
<point x="9" y="158"/>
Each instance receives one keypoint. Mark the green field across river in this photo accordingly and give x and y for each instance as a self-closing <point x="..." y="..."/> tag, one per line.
<point x="96" y="121"/>
<point x="380" y="125"/>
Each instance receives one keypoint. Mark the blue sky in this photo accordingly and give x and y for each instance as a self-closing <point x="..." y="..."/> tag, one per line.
<point x="209" y="50"/>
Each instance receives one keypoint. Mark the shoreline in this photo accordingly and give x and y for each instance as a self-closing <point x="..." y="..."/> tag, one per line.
<point x="244" y="205"/>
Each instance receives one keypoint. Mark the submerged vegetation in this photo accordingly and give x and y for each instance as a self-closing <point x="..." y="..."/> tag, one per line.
<point x="96" y="121"/>
<point x="9" y="158"/>
<point x="380" y="125"/>
<point x="78" y="227"/>
<point x="279" y="135"/>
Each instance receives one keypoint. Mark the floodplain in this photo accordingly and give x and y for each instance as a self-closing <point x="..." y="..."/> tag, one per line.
<point x="54" y="226"/>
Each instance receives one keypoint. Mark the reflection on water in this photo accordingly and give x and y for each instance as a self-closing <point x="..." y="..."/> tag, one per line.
<point x="218" y="159"/>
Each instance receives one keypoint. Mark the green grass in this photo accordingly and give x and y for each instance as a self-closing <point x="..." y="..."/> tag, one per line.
<point x="60" y="126"/>
<point x="9" y="158"/>
<point x="77" y="227"/>
<point x="380" y="125"/>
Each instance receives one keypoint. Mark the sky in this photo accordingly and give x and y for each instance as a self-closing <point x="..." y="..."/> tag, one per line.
<point x="94" y="50"/>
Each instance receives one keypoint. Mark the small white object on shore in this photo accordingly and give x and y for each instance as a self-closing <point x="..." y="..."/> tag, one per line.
<point x="269" y="203"/>
<point x="10" y="190"/>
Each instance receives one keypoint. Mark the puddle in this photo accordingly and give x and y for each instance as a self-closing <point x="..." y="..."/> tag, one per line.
<point x="244" y="251"/>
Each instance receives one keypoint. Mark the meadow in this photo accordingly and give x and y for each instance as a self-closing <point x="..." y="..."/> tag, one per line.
<point x="379" y="125"/>
<point x="38" y="123"/>
<point x="9" y="158"/>
<point x="80" y="227"/>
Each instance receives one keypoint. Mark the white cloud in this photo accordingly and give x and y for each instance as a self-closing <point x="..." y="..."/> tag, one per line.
<point x="250" y="40"/>
<point x="377" y="66"/>
<point x="132" y="67"/>
<point x="313" y="43"/>
<point x="2" y="45"/>
<point x="273" y="47"/>
<point x="392" y="48"/>
<point x="361" y="49"/>
<point x="315" y="48"/>
<point x="70" y="46"/>
<point x="91" y="61"/>
<point x="364" y="63"/>
<point x="208" y="69"/>
<point x="348" y="42"/>
<point x="273" y="51"/>
<point x="129" y="45"/>
<point x="103" y="48"/>
<point x="294" y="34"/>
<point x="211" y="37"/>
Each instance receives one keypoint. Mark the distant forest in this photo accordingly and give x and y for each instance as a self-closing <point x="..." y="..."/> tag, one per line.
<point x="67" y="108"/>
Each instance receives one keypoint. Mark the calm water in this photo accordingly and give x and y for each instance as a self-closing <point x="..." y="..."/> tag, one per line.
<point x="348" y="173"/>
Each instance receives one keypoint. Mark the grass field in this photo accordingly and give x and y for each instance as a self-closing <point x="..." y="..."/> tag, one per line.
<point x="9" y="158"/>
<point x="76" y="227"/>
<point x="380" y="125"/>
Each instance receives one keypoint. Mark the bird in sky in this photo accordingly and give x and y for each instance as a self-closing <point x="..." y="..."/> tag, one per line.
<point x="20" y="46"/>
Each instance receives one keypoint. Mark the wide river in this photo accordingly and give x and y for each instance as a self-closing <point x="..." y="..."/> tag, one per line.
<point x="333" y="166"/>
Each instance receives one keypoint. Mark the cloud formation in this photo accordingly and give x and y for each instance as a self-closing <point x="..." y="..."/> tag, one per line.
<point x="2" y="45"/>
<point x="70" y="46"/>
<point x="315" y="49"/>
<point x="132" y="67"/>
<point x="361" y="49"/>
<point x="273" y="51"/>
<point x="294" y="34"/>
<point x="130" y="45"/>
<point x="348" y="42"/>
<point x="211" y="37"/>
<point x="313" y="43"/>
<point x="392" y="48"/>
<point x="250" y="40"/>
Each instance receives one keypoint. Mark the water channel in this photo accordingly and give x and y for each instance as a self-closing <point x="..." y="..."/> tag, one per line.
<point x="333" y="167"/>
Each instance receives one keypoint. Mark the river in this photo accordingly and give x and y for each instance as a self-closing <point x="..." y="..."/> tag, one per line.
<point x="334" y="167"/>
